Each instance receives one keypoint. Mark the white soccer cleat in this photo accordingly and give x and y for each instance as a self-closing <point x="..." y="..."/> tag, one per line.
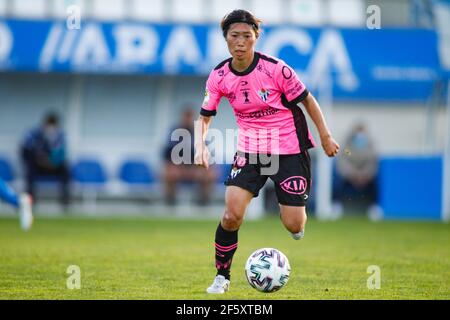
<point x="298" y="235"/>
<point x="219" y="286"/>
<point x="25" y="211"/>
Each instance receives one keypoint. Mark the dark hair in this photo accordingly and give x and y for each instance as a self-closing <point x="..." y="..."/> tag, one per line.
<point x="51" y="118"/>
<point x="237" y="16"/>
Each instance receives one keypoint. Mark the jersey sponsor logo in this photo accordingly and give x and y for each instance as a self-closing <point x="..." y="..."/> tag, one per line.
<point x="257" y="114"/>
<point x="264" y="94"/>
<point x="244" y="83"/>
<point x="294" y="185"/>
<point x="262" y="69"/>
<point x="295" y="89"/>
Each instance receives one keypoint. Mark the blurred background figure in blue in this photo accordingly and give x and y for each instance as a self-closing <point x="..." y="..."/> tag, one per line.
<point x="176" y="173"/>
<point x="357" y="170"/>
<point x="422" y="13"/>
<point x="43" y="152"/>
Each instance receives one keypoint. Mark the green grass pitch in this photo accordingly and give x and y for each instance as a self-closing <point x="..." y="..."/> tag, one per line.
<point x="140" y="258"/>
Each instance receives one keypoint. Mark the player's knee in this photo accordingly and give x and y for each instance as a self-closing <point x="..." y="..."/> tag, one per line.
<point x="231" y="220"/>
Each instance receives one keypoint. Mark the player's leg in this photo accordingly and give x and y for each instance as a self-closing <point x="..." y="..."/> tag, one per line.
<point x="226" y="240"/>
<point x="294" y="219"/>
<point x="8" y="194"/>
<point x="292" y="186"/>
<point x="22" y="203"/>
<point x="243" y="183"/>
<point x="237" y="200"/>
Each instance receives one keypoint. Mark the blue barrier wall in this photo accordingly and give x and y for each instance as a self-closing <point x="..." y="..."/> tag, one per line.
<point x="411" y="188"/>
<point x="386" y="64"/>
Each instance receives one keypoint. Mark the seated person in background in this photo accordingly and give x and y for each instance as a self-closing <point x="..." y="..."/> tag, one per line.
<point x="174" y="172"/>
<point x="44" y="154"/>
<point x="357" y="170"/>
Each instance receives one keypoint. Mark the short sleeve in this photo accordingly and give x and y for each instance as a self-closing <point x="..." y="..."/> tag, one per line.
<point x="289" y="84"/>
<point x="212" y="96"/>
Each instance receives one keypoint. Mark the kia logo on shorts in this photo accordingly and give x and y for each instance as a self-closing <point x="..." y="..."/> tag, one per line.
<point x="294" y="185"/>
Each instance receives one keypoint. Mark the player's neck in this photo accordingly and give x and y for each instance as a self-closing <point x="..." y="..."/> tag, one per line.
<point x="241" y="65"/>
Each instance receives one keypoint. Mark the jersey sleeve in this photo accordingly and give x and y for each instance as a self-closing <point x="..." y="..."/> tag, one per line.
<point x="289" y="84"/>
<point x="212" y="96"/>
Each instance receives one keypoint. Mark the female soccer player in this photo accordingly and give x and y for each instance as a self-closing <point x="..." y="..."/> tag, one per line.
<point x="21" y="203"/>
<point x="265" y="94"/>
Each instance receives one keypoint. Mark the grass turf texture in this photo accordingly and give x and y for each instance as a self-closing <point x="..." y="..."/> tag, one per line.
<point x="173" y="259"/>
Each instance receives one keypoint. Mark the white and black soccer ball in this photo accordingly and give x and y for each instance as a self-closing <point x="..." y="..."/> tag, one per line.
<point x="267" y="270"/>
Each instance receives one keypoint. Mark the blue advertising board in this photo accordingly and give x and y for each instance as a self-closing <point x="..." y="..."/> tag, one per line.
<point x="411" y="187"/>
<point x="385" y="64"/>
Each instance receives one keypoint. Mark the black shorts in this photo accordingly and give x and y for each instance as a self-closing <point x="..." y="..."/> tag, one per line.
<point x="291" y="175"/>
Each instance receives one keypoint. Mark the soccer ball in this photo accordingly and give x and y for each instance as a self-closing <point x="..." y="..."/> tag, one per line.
<point x="267" y="270"/>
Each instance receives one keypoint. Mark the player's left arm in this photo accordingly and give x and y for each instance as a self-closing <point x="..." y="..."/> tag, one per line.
<point x="329" y="145"/>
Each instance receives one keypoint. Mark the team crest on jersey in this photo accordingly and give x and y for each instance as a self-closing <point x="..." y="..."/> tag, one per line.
<point x="245" y="92"/>
<point x="264" y="94"/>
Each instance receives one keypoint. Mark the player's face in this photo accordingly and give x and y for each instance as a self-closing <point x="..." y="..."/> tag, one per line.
<point x="241" y="41"/>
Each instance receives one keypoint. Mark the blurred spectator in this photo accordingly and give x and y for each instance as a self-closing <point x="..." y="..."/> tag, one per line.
<point x="175" y="173"/>
<point x="422" y="13"/>
<point x="357" y="169"/>
<point x="44" y="154"/>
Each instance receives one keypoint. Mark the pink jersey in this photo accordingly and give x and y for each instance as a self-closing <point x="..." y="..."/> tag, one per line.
<point x="264" y="99"/>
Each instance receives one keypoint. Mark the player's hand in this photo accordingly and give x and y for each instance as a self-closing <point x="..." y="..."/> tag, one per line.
<point x="202" y="156"/>
<point x="330" y="146"/>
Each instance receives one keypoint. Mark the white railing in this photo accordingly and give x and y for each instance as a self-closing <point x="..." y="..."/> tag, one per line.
<point x="303" y="12"/>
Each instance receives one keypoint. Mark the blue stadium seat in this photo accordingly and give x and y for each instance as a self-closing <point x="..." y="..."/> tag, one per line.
<point x="88" y="171"/>
<point x="6" y="171"/>
<point x="91" y="179"/>
<point x="136" y="172"/>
